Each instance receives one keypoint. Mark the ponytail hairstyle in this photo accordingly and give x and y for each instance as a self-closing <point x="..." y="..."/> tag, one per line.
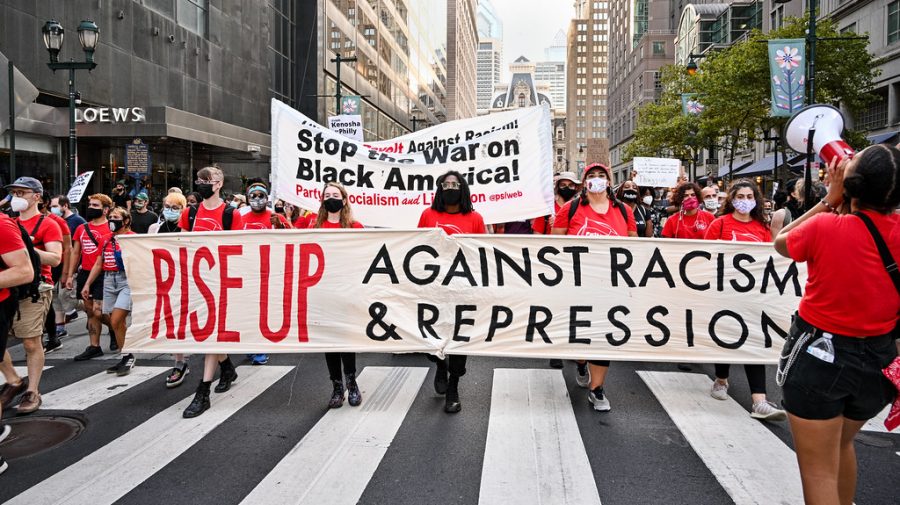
<point x="874" y="181"/>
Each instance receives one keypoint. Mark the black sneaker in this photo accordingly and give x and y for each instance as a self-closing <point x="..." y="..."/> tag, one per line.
<point x="126" y="365"/>
<point x="62" y="333"/>
<point x="113" y="346"/>
<point x="52" y="344"/>
<point x="3" y="465"/>
<point x="90" y="352"/>
<point x="71" y="316"/>
<point x="5" y="431"/>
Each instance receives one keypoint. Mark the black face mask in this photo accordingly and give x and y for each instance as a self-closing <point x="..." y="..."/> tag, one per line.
<point x="451" y="196"/>
<point x="205" y="190"/>
<point x="92" y="213"/>
<point x="333" y="204"/>
<point x="630" y="195"/>
<point x="567" y="193"/>
<point x="115" y="224"/>
<point x="279" y="209"/>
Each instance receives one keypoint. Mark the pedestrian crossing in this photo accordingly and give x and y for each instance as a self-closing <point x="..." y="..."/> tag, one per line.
<point x="533" y="450"/>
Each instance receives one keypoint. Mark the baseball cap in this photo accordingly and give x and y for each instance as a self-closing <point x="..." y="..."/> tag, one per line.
<point x="601" y="166"/>
<point x="27" y="183"/>
<point x="142" y="196"/>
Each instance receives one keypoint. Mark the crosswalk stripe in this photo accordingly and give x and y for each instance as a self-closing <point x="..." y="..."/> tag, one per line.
<point x="876" y="424"/>
<point x="534" y="452"/>
<point x="21" y="371"/>
<point x="97" y="388"/>
<point x="334" y="462"/>
<point x="110" y="472"/>
<point x="750" y="462"/>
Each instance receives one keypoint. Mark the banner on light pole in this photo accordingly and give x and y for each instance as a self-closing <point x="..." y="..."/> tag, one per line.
<point x="788" y="71"/>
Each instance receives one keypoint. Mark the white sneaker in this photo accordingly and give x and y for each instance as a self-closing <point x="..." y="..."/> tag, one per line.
<point x="600" y="401"/>
<point x="719" y="391"/>
<point x="583" y="380"/>
<point x="767" y="411"/>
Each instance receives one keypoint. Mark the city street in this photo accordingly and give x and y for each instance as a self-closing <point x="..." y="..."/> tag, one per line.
<point x="526" y="434"/>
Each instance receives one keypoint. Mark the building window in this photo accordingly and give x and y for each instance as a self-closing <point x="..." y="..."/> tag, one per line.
<point x="659" y="48"/>
<point x="875" y="115"/>
<point x="192" y="14"/>
<point x="851" y="28"/>
<point x="893" y="22"/>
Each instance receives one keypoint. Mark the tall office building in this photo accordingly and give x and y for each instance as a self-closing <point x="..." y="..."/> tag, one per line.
<point x="587" y="71"/>
<point x="462" y="44"/>
<point x="553" y="72"/>
<point x="642" y="40"/>
<point x="490" y="54"/>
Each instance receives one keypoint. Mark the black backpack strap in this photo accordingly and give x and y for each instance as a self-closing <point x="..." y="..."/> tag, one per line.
<point x="889" y="264"/>
<point x="573" y="206"/>
<point x="624" y="212"/>
<point x="227" y="217"/>
<point x="87" y="230"/>
<point x="38" y="225"/>
<point x="192" y="216"/>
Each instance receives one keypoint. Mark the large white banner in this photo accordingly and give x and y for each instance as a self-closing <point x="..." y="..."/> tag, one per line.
<point x="284" y="291"/>
<point x="506" y="158"/>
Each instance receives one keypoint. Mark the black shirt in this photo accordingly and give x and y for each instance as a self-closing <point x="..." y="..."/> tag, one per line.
<point x="121" y="200"/>
<point x="140" y="223"/>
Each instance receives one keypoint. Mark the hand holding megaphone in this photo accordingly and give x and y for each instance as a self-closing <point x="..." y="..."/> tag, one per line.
<point x="834" y="180"/>
<point x="828" y="123"/>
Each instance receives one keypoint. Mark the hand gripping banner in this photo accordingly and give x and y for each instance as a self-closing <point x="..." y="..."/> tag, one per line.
<point x="289" y="291"/>
<point x="506" y="158"/>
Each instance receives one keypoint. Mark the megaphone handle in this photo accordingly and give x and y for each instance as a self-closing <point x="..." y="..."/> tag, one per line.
<point x="807" y="176"/>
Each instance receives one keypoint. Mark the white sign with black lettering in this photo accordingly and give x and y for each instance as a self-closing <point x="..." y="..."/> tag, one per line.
<point x="79" y="186"/>
<point x="656" y="172"/>
<point x="349" y="126"/>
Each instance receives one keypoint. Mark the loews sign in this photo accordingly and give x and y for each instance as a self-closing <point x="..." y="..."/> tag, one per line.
<point x="110" y="115"/>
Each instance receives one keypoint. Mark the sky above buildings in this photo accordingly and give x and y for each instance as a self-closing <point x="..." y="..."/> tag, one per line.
<point x="530" y="25"/>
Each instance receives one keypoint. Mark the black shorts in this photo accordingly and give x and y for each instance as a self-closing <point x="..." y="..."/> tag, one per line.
<point x="96" y="286"/>
<point x="852" y="386"/>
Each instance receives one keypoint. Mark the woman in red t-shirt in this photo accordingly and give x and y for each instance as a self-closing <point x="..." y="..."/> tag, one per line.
<point x="691" y="221"/>
<point x="452" y="211"/>
<point x="596" y="212"/>
<point x="843" y="335"/>
<point x="335" y="212"/>
<point x="742" y="220"/>
<point x="116" y="291"/>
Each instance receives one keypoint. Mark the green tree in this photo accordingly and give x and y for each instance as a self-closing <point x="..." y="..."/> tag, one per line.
<point x="735" y="89"/>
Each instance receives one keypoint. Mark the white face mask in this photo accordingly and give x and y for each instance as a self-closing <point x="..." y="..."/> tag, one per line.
<point x="648" y="200"/>
<point x="18" y="204"/>
<point x="597" y="184"/>
<point x="744" y="206"/>
<point x="711" y="203"/>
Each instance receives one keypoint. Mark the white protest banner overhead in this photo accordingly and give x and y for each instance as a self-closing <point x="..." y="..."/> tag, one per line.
<point x="506" y="158"/>
<point x="79" y="186"/>
<point x="349" y="126"/>
<point x="286" y="291"/>
<point x="656" y="172"/>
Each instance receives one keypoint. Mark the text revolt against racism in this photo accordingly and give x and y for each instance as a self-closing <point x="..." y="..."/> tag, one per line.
<point x="423" y="291"/>
<point x="506" y="158"/>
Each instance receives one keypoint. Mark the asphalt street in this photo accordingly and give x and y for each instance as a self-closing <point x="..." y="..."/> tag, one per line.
<point x="528" y="431"/>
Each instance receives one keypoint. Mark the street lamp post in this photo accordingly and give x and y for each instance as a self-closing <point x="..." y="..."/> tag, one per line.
<point x="88" y="35"/>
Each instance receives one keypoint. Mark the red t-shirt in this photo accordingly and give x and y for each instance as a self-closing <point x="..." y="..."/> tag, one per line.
<point x="452" y="223"/>
<point x="848" y="290"/>
<point x="539" y="224"/>
<point x="305" y="221"/>
<point x="260" y="220"/>
<point x="327" y="224"/>
<point x="62" y="223"/>
<point x="47" y="232"/>
<point x="10" y="241"/>
<point x="209" y="220"/>
<point x="109" y="253"/>
<point x="588" y="222"/>
<point x="728" y="228"/>
<point x="90" y="249"/>
<point x="683" y="226"/>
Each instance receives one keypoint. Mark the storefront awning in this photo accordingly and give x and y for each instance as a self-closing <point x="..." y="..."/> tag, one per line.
<point x="723" y="170"/>
<point x="884" y="138"/>
<point x="767" y="165"/>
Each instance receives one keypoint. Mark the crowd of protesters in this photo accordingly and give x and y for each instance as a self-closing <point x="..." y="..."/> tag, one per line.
<point x="55" y="256"/>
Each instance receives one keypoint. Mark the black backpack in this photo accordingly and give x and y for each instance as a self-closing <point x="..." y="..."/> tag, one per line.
<point x="573" y="208"/>
<point x="227" y="217"/>
<point x="29" y="289"/>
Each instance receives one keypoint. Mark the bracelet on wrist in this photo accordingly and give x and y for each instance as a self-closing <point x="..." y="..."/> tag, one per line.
<point x="828" y="205"/>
